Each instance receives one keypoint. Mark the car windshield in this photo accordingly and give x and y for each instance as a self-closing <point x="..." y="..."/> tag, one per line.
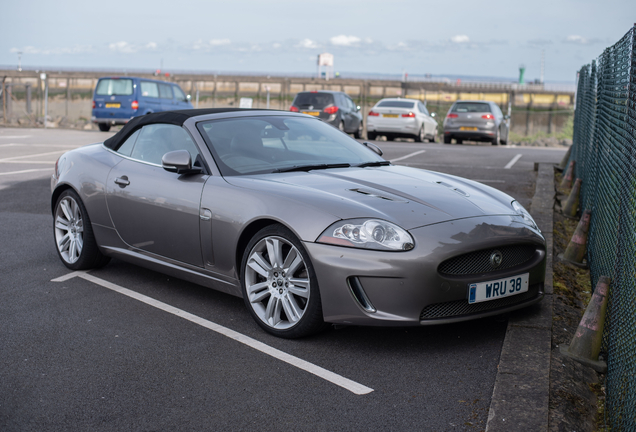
<point x="114" y="87"/>
<point x="471" y="107"/>
<point x="313" y="100"/>
<point x="395" y="104"/>
<point x="269" y="144"/>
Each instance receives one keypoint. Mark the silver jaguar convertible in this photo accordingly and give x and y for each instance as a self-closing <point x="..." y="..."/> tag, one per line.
<point x="307" y="225"/>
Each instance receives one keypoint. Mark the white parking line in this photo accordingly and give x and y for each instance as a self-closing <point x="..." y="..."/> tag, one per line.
<point x="336" y="379"/>
<point x="26" y="162"/>
<point x="408" y="156"/>
<point x="39" y="145"/>
<point x="31" y="155"/>
<point x="513" y="161"/>
<point x="25" y="171"/>
<point x="15" y="136"/>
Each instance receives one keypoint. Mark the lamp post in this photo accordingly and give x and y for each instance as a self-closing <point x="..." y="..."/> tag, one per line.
<point x="19" y="61"/>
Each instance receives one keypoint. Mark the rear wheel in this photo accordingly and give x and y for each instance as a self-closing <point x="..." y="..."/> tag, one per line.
<point x="280" y="288"/>
<point x="358" y="132"/>
<point x="495" y="140"/>
<point x="372" y="136"/>
<point x="73" y="233"/>
<point x="433" y="137"/>
<point x="459" y="140"/>
<point x="341" y="126"/>
<point x="420" y="136"/>
<point x="447" y="139"/>
<point x="104" y="127"/>
<point x="390" y="137"/>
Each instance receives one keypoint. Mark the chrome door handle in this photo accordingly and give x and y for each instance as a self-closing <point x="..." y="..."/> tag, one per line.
<point x="205" y="214"/>
<point x="122" y="181"/>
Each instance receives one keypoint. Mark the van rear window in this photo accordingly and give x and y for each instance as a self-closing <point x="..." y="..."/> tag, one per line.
<point x="114" y="87"/>
<point x="471" y="107"/>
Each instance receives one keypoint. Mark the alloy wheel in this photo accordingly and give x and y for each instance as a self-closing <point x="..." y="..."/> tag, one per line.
<point x="69" y="230"/>
<point x="277" y="282"/>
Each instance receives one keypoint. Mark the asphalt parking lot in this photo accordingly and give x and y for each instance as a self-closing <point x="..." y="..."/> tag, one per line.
<point x="125" y="348"/>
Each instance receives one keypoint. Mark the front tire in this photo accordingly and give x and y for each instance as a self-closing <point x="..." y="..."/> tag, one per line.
<point x="104" y="127"/>
<point x="280" y="288"/>
<point x="73" y="234"/>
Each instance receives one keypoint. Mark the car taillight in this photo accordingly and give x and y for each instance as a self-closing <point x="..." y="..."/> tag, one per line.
<point x="331" y="110"/>
<point x="488" y="116"/>
<point x="411" y="114"/>
<point x="93" y="104"/>
<point x="452" y="116"/>
<point x="373" y="114"/>
<point x="134" y="105"/>
<point x="293" y="108"/>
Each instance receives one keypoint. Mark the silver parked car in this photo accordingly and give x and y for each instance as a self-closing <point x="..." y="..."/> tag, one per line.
<point x="304" y="223"/>
<point x="396" y="117"/>
<point x="475" y="121"/>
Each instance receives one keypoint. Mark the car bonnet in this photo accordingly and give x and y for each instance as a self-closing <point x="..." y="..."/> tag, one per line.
<point x="409" y="197"/>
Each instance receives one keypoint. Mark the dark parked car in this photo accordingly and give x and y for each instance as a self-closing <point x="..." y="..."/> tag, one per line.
<point x="306" y="224"/>
<point x="475" y="121"/>
<point x="118" y="99"/>
<point x="333" y="107"/>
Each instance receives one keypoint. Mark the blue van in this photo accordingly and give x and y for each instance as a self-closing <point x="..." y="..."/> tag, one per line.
<point x="118" y="99"/>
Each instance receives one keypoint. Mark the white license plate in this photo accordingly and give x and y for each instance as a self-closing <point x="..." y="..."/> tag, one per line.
<point x="498" y="288"/>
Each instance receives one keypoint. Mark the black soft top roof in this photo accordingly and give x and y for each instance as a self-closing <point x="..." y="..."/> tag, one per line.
<point x="170" y="117"/>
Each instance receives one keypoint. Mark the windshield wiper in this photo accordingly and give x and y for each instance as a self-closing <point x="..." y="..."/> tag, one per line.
<point x="373" y="164"/>
<point x="312" y="167"/>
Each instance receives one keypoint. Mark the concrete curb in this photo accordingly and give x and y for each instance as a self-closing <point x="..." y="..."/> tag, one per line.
<point x="522" y="388"/>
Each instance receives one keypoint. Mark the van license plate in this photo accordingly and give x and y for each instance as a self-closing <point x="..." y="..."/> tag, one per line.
<point x="498" y="288"/>
<point x="113" y="105"/>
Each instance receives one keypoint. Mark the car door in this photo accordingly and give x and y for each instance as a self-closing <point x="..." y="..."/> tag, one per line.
<point x="352" y="114"/>
<point x="427" y="122"/>
<point x="154" y="210"/>
<point x="167" y="98"/>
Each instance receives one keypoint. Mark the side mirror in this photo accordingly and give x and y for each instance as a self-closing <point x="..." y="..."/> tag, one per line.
<point x="180" y="162"/>
<point x="373" y="147"/>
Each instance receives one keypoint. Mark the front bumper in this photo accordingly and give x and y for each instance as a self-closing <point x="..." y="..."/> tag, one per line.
<point x="406" y="288"/>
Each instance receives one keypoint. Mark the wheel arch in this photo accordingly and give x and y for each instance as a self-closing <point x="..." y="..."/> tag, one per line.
<point x="57" y="192"/>
<point x="250" y="231"/>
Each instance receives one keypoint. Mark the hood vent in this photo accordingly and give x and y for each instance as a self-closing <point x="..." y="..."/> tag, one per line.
<point x="374" y="194"/>
<point x="451" y="187"/>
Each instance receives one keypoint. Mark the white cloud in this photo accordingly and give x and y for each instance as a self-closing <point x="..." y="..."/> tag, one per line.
<point x="151" y="46"/>
<point x="122" y="47"/>
<point x="219" y="42"/>
<point x="276" y="45"/>
<point x="77" y="49"/>
<point x="343" y="40"/>
<point x="459" y="39"/>
<point x="307" y="43"/>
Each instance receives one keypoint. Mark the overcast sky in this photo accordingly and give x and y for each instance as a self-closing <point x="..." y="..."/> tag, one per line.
<point x="454" y="37"/>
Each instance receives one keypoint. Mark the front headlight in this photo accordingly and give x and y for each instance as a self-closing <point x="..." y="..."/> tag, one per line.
<point x="518" y="208"/>
<point x="367" y="234"/>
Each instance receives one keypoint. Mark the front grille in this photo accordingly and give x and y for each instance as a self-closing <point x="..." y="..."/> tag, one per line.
<point x="479" y="262"/>
<point x="462" y="307"/>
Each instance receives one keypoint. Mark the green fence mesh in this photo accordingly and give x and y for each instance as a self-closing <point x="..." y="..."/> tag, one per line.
<point x="604" y="152"/>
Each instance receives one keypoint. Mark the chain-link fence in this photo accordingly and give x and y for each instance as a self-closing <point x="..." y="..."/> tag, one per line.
<point x="605" y="153"/>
